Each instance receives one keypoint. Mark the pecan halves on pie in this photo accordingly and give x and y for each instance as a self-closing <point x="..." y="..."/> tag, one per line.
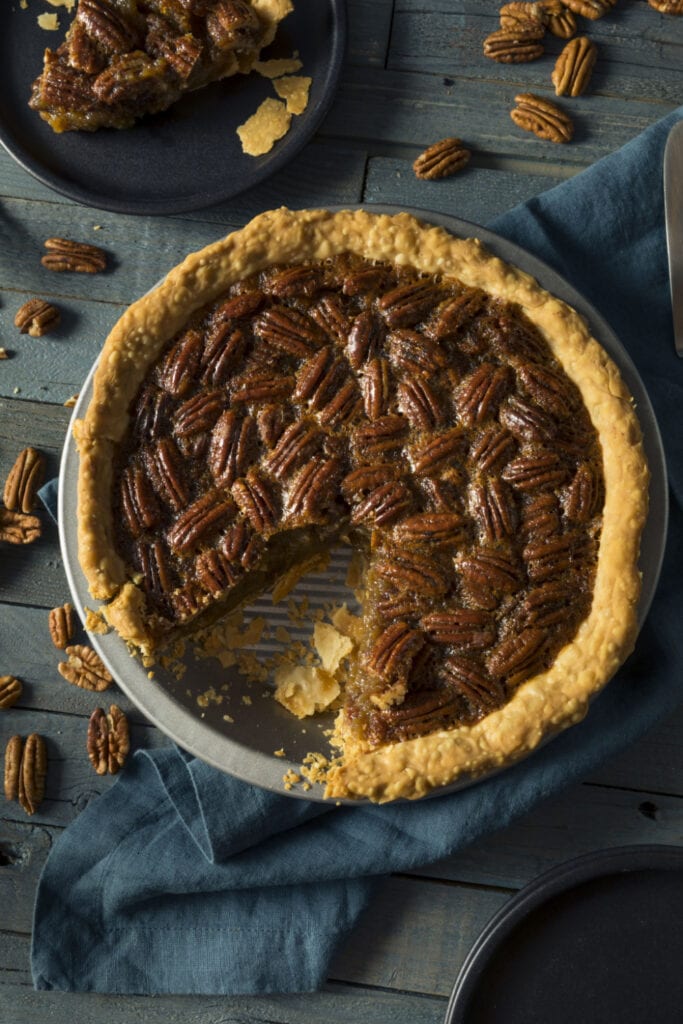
<point x="257" y="500"/>
<point x="469" y="629"/>
<point x="180" y="366"/>
<point x="232" y="25"/>
<point x="215" y="572"/>
<point x="198" y="414"/>
<point x="543" y="118"/>
<point x="455" y="313"/>
<point x="584" y="494"/>
<point x="200" y="520"/>
<point x="331" y="318"/>
<point x="383" y="505"/>
<point x="549" y="558"/>
<point x="258" y="389"/>
<point x="527" y="421"/>
<point x="479" y="394"/>
<point x="223" y="350"/>
<point x="420" y="404"/>
<point x="231" y="448"/>
<point x="314" y="489"/>
<point x="392" y="654"/>
<point x="493" y="447"/>
<point x="539" y="470"/>
<point x="407" y="304"/>
<point x="410" y="571"/>
<point x="298" y="443"/>
<point x="549" y="389"/>
<point x="442" y="159"/>
<point x="482" y="691"/>
<point x="494" y="510"/>
<point x="432" y="530"/>
<point x="487" y="574"/>
<point x="385" y="434"/>
<point x="293" y="282"/>
<point x="376" y="388"/>
<point x="108" y="740"/>
<point x="107" y="25"/>
<point x="519" y="656"/>
<point x="318" y="378"/>
<point x="288" y="330"/>
<point x="366" y="338"/>
<point x="23" y="481"/>
<point x="164" y="465"/>
<point x="414" y="353"/>
<point x="430" y="458"/>
<point x="85" y="668"/>
<point x="549" y="604"/>
<point x="138" y="501"/>
<point x="540" y="517"/>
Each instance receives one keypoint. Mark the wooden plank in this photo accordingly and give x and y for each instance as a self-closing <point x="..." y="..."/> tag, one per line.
<point x="476" y="194"/>
<point x="640" y="53"/>
<point x="369" y="27"/>
<point x="336" y="1004"/>
<point x="415" y="109"/>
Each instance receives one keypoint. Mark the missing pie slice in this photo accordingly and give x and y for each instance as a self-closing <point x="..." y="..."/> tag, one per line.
<point x="319" y="379"/>
<point x="122" y="59"/>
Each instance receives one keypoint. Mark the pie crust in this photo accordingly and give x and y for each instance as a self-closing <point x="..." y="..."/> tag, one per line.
<point x="542" y="705"/>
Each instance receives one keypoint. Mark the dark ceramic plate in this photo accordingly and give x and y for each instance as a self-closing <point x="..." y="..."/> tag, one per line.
<point x="596" y="941"/>
<point x="187" y="157"/>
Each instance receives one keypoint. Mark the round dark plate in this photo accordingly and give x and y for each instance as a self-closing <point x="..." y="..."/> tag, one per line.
<point x="244" y="743"/>
<point x="187" y="157"/>
<point x="597" y="940"/>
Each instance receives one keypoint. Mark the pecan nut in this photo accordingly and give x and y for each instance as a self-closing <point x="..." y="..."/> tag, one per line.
<point x="515" y="45"/>
<point x="26" y="771"/>
<point x="19" y="528"/>
<point x="520" y="15"/>
<point x="592" y="9"/>
<point x="543" y="118"/>
<point x="574" y="67"/>
<point x="10" y="691"/>
<point x="559" y="19"/>
<point x="200" y="519"/>
<point x="394" y="651"/>
<point x="63" y="254"/>
<point x="108" y="740"/>
<point x="442" y="159"/>
<point x="667" y="6"/>
<point x="36" y="318"/>
<point x="85" y="668"/>
<point x="61" y="625"/>
<point x="23" y="480"/>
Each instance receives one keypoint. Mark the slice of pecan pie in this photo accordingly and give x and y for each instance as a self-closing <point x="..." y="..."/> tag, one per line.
<point x="318" y="379"/>
<point x="122" y="59"/>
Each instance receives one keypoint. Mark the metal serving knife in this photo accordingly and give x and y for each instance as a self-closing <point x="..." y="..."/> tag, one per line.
<point x="673" y="207"/>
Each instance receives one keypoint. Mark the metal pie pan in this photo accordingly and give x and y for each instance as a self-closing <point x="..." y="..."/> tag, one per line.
<point x="597" y="940"/>
<point x="239" y="728"/>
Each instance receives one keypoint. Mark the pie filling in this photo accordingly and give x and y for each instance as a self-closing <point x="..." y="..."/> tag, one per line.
<point x="353" y="401"/>
<point x="122" y="59"/>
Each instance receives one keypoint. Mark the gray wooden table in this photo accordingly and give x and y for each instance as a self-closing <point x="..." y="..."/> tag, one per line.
<point x="414" y="73"/>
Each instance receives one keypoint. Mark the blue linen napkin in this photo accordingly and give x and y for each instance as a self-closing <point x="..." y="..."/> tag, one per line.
<point x="183" y="880"/>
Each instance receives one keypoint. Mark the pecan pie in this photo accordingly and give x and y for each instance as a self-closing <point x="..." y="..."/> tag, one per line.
<point x="122" y="59"/>
<point x="318" y="379"/>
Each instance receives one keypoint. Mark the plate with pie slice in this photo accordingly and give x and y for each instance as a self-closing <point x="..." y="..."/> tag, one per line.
<point x="187" y="155"/>
<point x="393" y="439"/>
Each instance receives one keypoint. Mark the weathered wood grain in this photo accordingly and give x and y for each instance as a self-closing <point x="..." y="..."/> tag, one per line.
<point x="336" y="1004"/>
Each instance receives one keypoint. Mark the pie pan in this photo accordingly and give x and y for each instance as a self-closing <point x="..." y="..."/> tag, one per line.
<point x="185" y="158"/>
<point x="238" y="729"/>
<point x="596" y="939"/>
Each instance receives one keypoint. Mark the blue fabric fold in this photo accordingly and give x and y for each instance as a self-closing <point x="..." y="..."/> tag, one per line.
<point x="183" y="880"/>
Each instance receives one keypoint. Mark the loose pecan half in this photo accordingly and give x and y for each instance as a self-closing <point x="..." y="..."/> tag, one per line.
<point x="442" y="159"/>
<point x="23" y="480"/>
<point x="77" y="257"/>
<point x="36" y="318"/>
<point x="543" y="118"/>
<point x="574" y="66"/>
<point x="19" y="528"/>
<point x="10" y="691"/>
<point x="85" y="668"/>
<point x="26" y="771"/>
<point x="667" y="6"/>
<point x="520" y="15"/>
<point x="61" y="625"/>
<point x="559" y="19"/>
<point x="517" y="45"/>
<point x="108" y="740"/>
<point x="592" y="9"/>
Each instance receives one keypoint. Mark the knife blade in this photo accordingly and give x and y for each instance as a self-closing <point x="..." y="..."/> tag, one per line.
<point x="673" y="208"/>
